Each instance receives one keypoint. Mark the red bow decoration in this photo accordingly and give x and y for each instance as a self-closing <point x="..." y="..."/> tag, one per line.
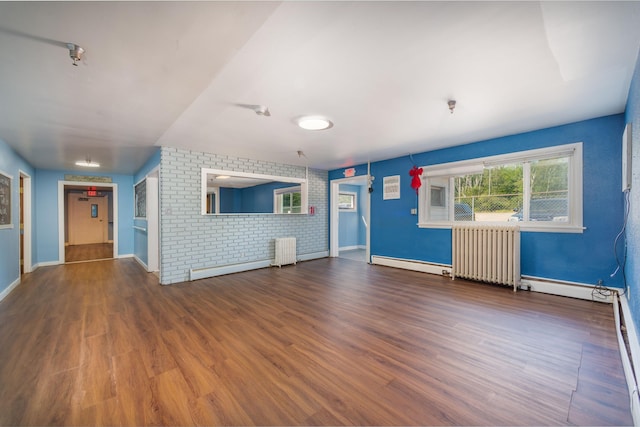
<point x="415" y="172"/>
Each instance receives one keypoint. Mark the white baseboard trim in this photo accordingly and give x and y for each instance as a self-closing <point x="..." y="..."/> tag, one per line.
<point x="125" y="256"/>
<point x="140" y="262"/>
<point x="203" y="273"/>
<point x="634" y="348"/>
<point x="564" y="288"/>
<point x="44" y="264"/>
<point x="535" y="284"/>
<point x="351" y="248"/>
<point x="9" y="288"/>
<point x="410" y="264"/>
<point x="313" y="255"/>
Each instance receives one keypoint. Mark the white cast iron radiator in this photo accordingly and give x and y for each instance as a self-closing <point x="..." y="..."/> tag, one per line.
<point x="285" y="251"/>
<point x="487" y="253"/>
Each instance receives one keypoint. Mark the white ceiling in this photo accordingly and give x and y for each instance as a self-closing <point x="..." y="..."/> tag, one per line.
<point x="172" y="73"/>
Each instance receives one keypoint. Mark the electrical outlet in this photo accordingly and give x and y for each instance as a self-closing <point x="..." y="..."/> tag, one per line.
<point x="525" y="285"/>
<point x="414" y="211"/>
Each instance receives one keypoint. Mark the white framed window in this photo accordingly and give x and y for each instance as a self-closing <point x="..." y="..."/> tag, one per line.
<point x="140" y="199"/>
<point x="348" y="201"/>
<point x="287" y="200"/>
<point x="539" y="189"/>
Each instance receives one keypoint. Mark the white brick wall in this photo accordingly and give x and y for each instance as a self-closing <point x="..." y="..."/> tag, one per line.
<point x="192" y="241"/>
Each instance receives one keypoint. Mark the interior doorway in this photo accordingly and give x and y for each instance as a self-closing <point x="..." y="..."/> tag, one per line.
<point x="25" y="223"/>
<point x="87" y="218"/>
<point x="88" y="221"/>
<point x="21" y="225"/>
<point x="349" y="219"/>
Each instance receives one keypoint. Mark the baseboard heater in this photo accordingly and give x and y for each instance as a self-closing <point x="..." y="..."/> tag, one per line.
<point x="205" y="272"/>
<point x="534" y="284"/>
<point x="623" y="317"/>
<point x="411" y="264"/>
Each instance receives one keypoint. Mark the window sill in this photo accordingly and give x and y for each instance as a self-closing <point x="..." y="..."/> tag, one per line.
<point x="546" y="228"/>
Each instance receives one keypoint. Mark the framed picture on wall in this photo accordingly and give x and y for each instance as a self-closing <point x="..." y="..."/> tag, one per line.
<point x="140" y="202"/>
<point x="5" y="200"/>
<point x="391" y="187"/>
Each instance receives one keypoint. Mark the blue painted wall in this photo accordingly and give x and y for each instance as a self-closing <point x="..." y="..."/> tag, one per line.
<point x="259" y="199"/>
<point x="140" y="243"/>
<point x="11" y="163"/>
<point x="46" y="218"/>
<point x="632" y="270"/>
<point x="256" y="199"/>
<point x="583" y="258"/>
<point x="230" y="200"/>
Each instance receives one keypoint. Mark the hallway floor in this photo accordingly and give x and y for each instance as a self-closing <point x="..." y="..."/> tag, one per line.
<point x="95" y="251"/>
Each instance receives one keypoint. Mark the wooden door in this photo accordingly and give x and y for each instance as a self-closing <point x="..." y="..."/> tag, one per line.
<point x="88" y="219"/>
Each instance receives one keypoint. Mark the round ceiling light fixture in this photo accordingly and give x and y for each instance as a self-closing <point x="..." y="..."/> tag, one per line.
<point x="314" y="123"/>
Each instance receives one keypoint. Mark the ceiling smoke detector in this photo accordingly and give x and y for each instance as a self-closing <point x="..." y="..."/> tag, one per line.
<point x="262" y="110"/>
<point x="75" y="53"/>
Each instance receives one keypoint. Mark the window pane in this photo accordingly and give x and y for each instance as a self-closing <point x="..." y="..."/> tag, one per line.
<point x="549" y="190"/>
<point x="438" y="209"/>
<point x="491" y="196"/>
<point x="296" y="202"/>
<point x="437" y="196"/>
<point x="289" y="203"/>
<point x="346" y="201"/>
<point x="296" y="199"/>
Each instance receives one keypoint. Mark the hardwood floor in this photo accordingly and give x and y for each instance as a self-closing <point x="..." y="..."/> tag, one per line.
<point x="76" y="253"/>
<point x="324" y="342"/>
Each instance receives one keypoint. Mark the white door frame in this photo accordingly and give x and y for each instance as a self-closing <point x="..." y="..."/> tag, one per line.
<point x="153" y="222"/>
<point x="334" y="214"/>
<point x="61" y="213"/>
<point x="27" y="215"/>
